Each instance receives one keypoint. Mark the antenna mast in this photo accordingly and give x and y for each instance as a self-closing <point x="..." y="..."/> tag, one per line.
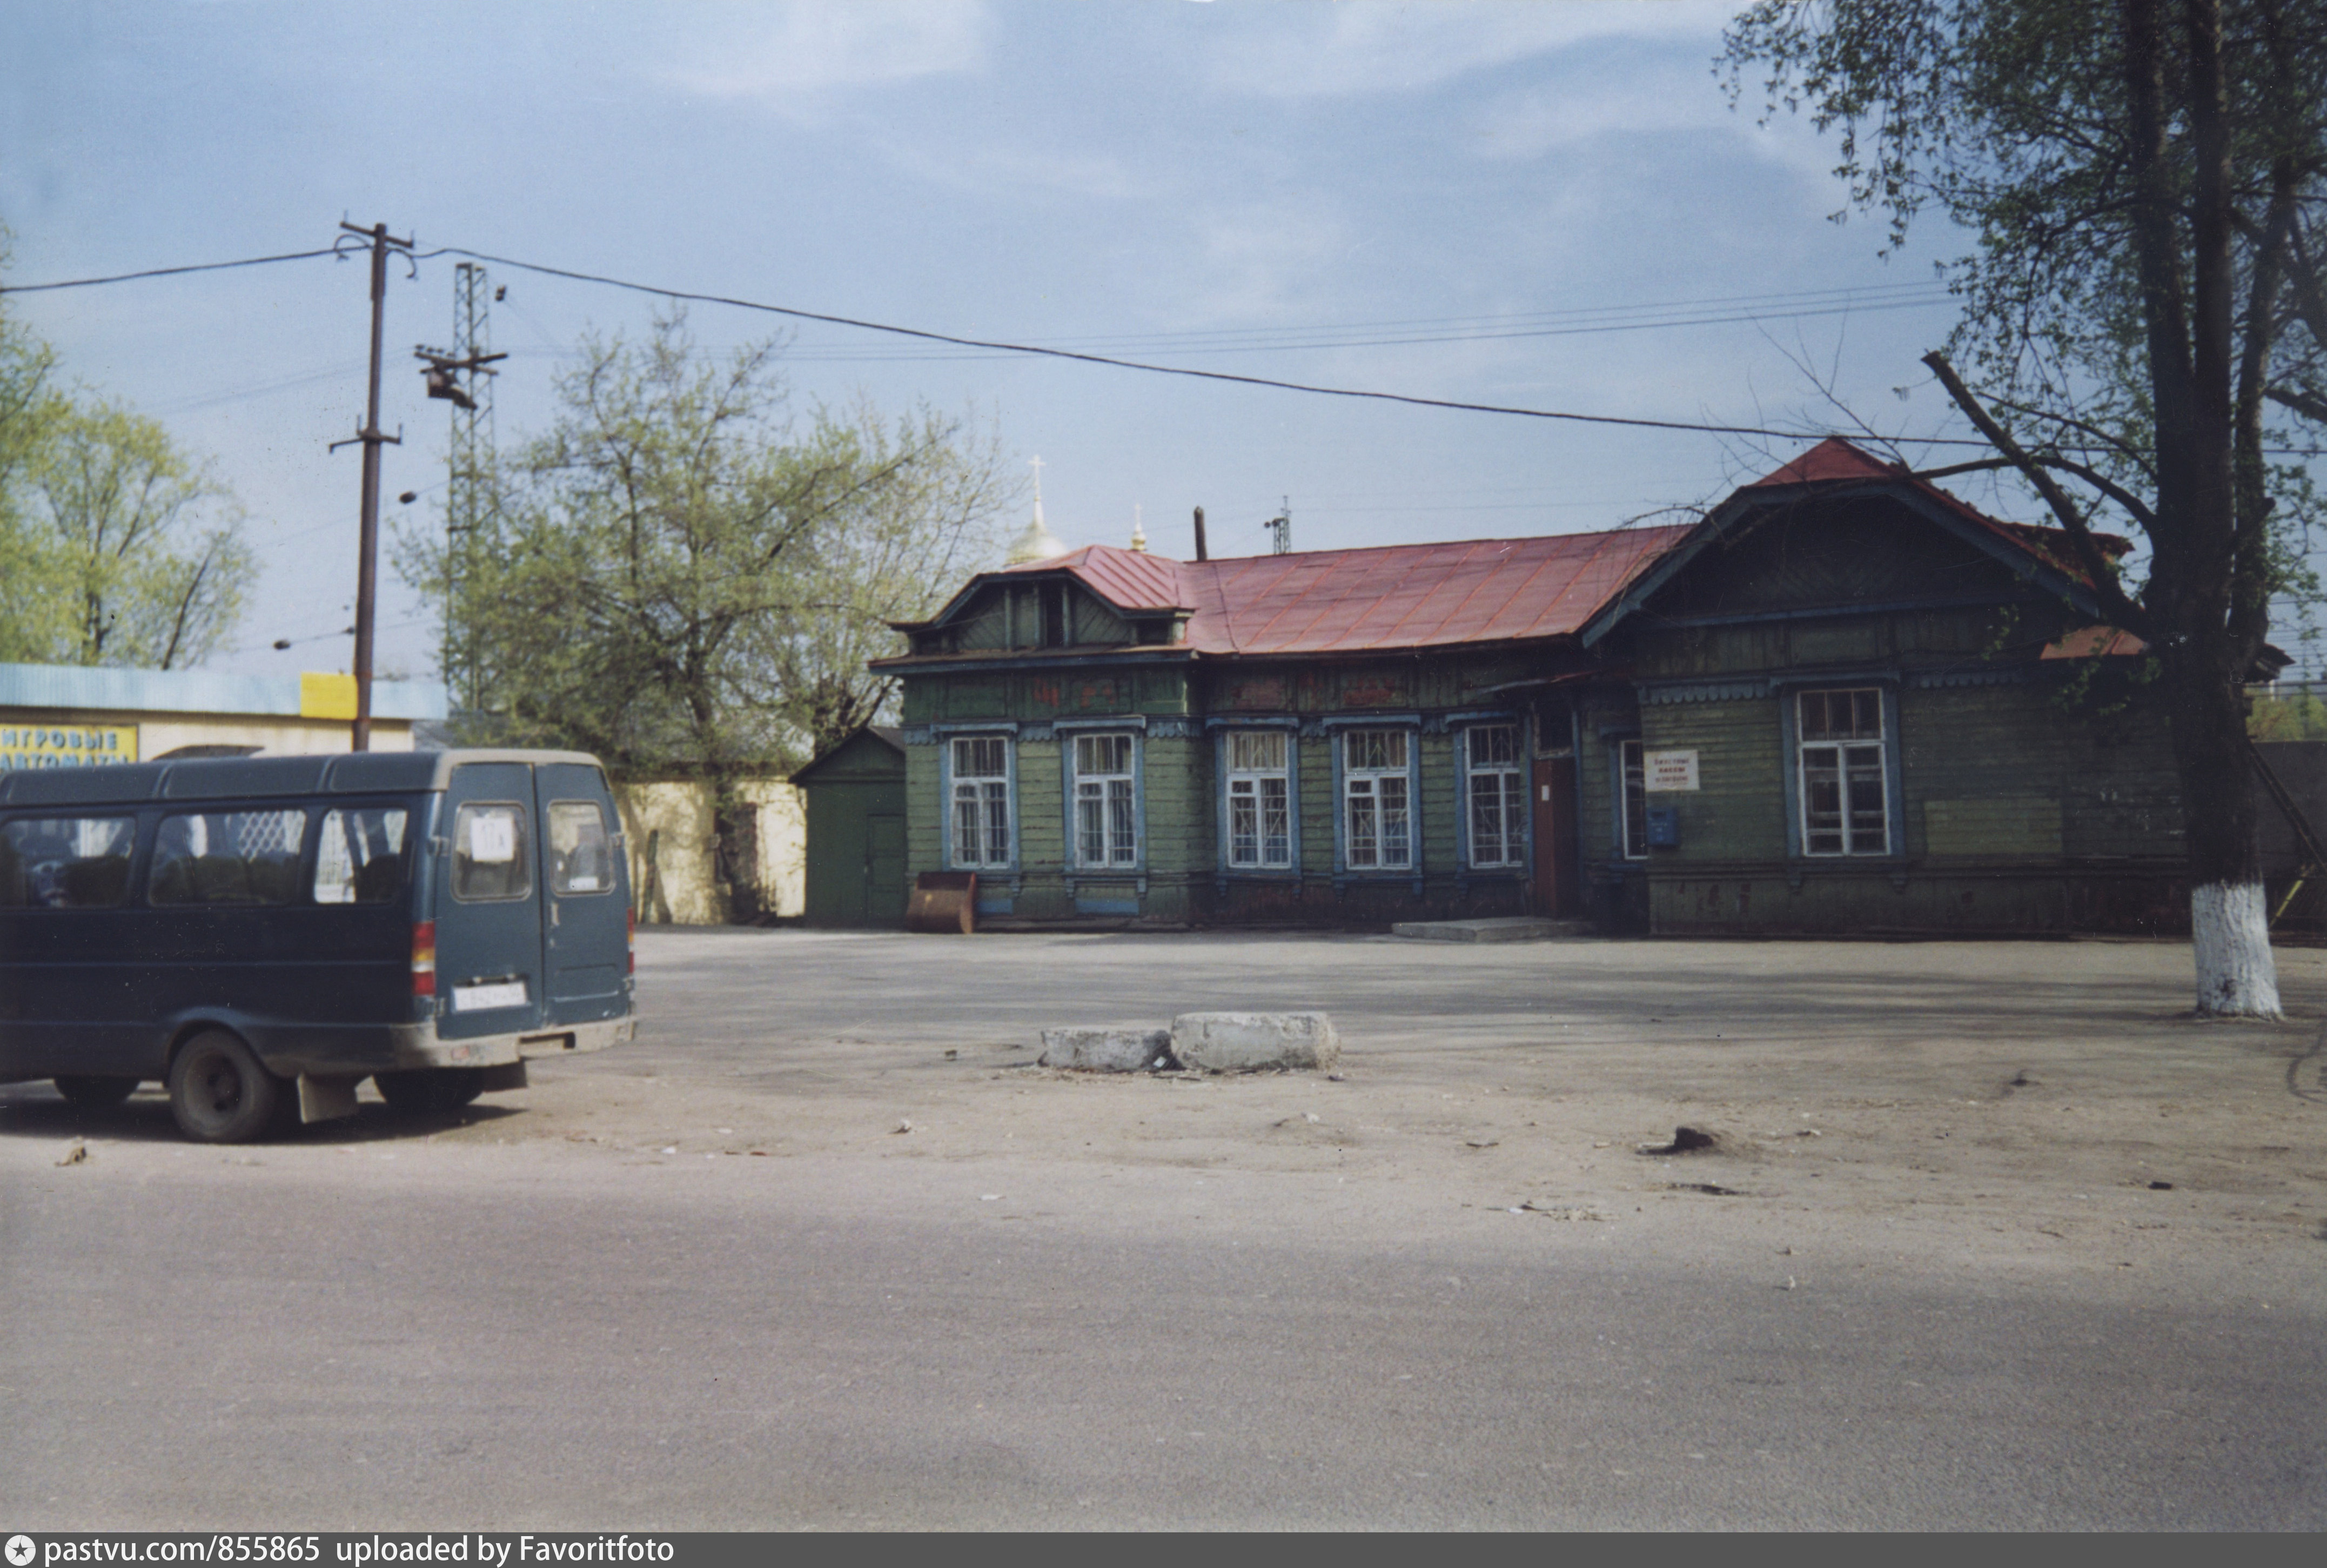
<point x="463" y="378"/>
<point x="1280" y="530"/>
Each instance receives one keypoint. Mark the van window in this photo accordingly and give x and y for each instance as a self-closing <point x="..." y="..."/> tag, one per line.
<point x="490" y="860"/>
<point x="581" y="860"/>
<point x="66" y="863"/>
<point x="359" y="859"/>
<point x="227" y="857"/>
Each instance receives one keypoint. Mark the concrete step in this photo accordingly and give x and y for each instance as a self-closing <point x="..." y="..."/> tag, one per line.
<point x="1505" y="928"/>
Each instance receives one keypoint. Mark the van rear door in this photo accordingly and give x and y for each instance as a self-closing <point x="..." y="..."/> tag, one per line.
<point x="489" y="903"/>
<point x="588" y="939"/>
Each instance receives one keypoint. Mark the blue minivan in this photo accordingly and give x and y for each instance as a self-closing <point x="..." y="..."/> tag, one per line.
<point x="262" y="934"/>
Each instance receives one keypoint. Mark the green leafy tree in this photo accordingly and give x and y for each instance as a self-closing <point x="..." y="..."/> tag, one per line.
<point x="683" y="577"/>
<point x="2145" y="325"/>
<point x="141" y="545"/>
<point x="31" y="611"/>
<point x="116" y="547"/>
<point x="2299" y="716"/>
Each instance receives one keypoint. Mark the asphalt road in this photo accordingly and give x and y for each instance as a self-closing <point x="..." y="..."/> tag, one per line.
<point x="381" y="1330"/>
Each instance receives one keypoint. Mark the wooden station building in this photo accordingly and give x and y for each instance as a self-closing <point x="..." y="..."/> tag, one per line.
<point x="1844" y="701"/>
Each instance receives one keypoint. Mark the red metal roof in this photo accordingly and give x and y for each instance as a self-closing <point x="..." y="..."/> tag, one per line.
<point x="1413" y="596"/>
<point x="1834" y="460"/>
<point x="1130" y="580"/>
<point x="2094" y="642"/>
<point x="1397" y="596"/>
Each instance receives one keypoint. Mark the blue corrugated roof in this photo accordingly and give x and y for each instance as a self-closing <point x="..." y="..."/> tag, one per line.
<point x="193" y="691"/>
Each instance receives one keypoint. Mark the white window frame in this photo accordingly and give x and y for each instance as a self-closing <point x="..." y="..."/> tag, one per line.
<point x="1505" y="779"/>
<point x="1852" y="765"/>
<point x="1105" y="808"/>
<point x="1632" y="798"/>
<point x="1248" y="783"/>
<point x="1382" y="790"/>
<point x="981" y="804"/>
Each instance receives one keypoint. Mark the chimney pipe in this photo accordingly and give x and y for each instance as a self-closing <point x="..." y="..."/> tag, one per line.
<point x="1199" y="535"/>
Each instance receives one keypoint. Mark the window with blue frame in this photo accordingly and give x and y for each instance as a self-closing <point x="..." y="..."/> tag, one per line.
<point x="982" y="813"/>
<point x="1498" y="795"/>
<point x="1841" y="752"/>
<point x="1107" y="806"/>
<point x="1377" y="803"/>
<point x="1260" y="800"/>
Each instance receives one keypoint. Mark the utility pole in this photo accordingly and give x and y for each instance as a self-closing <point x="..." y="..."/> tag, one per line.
<point x="462" y="378"/>
<point x="372" y="438"/>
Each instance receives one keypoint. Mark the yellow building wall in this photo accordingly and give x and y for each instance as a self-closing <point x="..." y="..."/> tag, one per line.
<point x="143" y="737"/>
<point x="671" y="820"/>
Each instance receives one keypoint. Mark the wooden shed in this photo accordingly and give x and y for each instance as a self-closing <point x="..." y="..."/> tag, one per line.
<point x="857" y="830"/>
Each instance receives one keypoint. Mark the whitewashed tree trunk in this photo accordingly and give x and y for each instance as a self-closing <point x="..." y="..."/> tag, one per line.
<point x="2229" y="933"/>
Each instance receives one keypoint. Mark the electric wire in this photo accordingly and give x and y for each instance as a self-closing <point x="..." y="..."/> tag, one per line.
<point x="166" y="271"/>
<point x="994" y="347"/>
<point x="1455" y="329"/>
<point x="1189" y="371"/>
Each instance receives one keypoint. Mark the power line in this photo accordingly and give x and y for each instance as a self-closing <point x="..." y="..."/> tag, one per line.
<point x="259" y="390"/>
<point x="1580" y="320"/>
<point x="1185" y="344"/>
<point x="998" y="347"/>
<point x="165" y="271"/>
<point x="1401" y="397"/>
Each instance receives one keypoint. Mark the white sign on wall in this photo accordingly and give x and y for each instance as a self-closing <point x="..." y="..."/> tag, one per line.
<point x="1671" y="771"/>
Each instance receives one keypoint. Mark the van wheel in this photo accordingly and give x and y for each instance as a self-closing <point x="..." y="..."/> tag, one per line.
<point x="219" y="1092"/>
<point x="430" y="1088"/>
<point x="95" y="1094"/>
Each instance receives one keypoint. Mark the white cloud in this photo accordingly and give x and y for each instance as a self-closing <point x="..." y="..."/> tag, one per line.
<point x="1655" y="95"/>
<point x="1663" y="95"/>
<point x="753" y="51"/>
<point x="1261" y="262"/>
<point x="995" y="169"/>
<point x="1352" y="49"/>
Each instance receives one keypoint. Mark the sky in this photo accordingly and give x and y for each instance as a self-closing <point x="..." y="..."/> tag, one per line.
<point x="1551" y="205"/>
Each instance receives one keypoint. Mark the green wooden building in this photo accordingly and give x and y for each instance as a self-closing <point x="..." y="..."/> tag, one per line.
<point x="1845" y="701"/>
<point x="855" y="809"/>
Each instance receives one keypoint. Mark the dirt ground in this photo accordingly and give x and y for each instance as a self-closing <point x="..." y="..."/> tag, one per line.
<point x="2044" y="1106"/>
<point x="1995" y="1235"/>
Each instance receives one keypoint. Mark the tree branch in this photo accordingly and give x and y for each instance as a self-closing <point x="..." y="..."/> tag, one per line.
<point x="2309" y="405"/>
<point x="2121" y="610"/>
<point x="2137" y="509"/>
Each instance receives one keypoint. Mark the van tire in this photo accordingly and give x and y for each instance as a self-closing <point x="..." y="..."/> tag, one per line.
<point x="420" y="1091"/>
<point x="219" y="1092"/>
<point x="95" y="1093"/>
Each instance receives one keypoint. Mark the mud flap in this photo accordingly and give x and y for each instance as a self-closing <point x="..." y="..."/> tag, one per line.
<point x="509" y="1074"/>
<point x="327" y="1098"/>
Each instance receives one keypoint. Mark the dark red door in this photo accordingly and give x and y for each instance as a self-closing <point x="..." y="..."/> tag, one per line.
<point x="1558" y="880"/>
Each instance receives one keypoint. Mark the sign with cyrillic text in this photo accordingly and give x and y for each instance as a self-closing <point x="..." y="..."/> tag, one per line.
<point x="1671" y="771"/>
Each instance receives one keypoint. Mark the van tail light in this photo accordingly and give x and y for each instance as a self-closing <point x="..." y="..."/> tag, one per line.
<point x="424" y="958"/>
<point x="630" y="936"/>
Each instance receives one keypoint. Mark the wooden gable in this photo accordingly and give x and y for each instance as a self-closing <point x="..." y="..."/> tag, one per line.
<point x="1851" y="553"/>
<point x="1030" y="612"/>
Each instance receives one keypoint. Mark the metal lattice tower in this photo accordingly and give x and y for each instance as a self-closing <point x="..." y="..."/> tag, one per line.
<point x="469" y="493"/>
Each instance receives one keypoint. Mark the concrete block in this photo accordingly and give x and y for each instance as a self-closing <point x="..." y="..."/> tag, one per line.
<point x="1500" y="928"/>
<point x="1107" y="1050"/>
<point x="1251" y="1042"/>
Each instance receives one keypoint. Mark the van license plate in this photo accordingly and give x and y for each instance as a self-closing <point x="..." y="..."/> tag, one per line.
<point x="478" y="998"/>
